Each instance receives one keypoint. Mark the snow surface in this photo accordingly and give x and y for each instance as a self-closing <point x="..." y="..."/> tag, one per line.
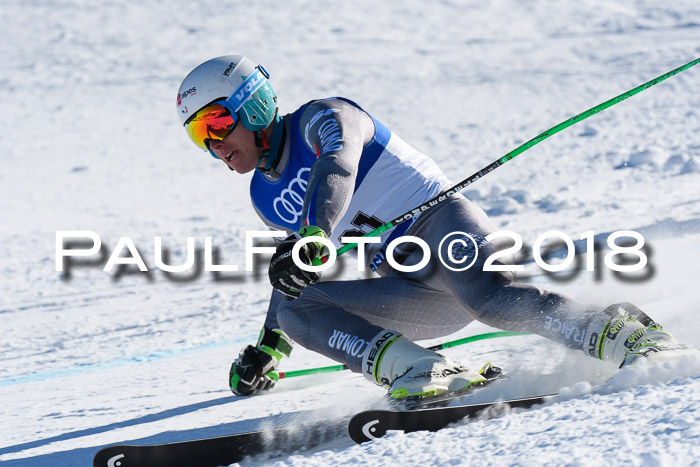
<point x="90" y="141"/>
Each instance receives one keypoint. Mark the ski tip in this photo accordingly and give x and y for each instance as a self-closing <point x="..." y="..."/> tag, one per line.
<point x="366" y="426"/>
<point x="111" y="456"/>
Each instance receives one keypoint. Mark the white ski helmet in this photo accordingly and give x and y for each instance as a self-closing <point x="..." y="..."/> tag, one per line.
<point x="235" y="80"/>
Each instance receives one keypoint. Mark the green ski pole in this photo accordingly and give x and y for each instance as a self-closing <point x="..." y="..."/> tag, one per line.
<point x="515" y="152"/>
<point x="435" y="348"/>
<point x="481" y="173"/>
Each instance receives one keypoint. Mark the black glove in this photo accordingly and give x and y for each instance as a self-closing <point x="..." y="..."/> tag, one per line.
<point x="284" y="274"/>
<point x="254" y="369"/>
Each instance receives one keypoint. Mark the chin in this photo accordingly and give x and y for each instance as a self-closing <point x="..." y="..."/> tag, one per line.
<point x="244" y="170"/>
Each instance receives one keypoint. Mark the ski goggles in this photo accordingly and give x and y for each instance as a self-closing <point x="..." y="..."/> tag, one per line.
<point x="213" y="122"/>
<point x="219" y="118"/>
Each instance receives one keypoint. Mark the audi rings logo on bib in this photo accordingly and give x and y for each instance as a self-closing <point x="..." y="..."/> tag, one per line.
<point x="289" y="204"/>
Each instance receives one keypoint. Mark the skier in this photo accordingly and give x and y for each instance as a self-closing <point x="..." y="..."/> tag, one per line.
<point x="331" y="170"/>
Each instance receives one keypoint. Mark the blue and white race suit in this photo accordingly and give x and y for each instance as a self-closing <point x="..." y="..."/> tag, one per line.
<point x="342" y="170"/>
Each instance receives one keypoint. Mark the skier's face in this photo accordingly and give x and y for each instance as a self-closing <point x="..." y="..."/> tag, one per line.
<point x="237" y="150"/>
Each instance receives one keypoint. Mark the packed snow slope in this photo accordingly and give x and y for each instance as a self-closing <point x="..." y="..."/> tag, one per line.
<point x="90" y="140"/>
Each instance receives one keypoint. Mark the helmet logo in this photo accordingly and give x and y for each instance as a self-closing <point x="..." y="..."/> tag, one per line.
<point x="190" y="92"/>
<point x="230" y="67"/>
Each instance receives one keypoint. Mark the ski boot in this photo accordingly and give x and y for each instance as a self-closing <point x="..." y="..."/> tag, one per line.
<point x="408" y="370"/>
<point x="627" y="335"/>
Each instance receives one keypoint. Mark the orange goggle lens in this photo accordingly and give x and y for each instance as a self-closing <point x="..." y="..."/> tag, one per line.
<point x="212" y="122"/>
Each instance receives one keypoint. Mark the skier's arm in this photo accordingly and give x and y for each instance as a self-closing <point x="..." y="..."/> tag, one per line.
<point x="337" y="132"/>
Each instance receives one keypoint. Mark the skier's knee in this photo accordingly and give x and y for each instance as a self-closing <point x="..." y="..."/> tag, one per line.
<point x="488" y="298"/>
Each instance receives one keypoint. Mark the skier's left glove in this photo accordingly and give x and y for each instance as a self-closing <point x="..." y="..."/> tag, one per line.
<point x="284" y="274"/>
<point x="255" y="368"/>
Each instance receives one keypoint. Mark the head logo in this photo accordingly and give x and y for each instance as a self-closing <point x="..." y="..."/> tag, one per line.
<point x="114" y="461"/>
<point x="179" y="100"/>
<point x="369" y="430"/>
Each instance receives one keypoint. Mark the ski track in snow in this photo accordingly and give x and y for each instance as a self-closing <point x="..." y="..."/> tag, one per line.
<point x="91" y="142"/>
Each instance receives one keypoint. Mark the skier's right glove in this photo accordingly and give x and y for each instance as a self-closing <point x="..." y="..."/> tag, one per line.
<point x="255" y="368"/>
<point x="284" y="274"/>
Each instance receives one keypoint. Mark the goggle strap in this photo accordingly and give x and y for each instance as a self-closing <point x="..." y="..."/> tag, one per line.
<point x="246" y="89"/>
